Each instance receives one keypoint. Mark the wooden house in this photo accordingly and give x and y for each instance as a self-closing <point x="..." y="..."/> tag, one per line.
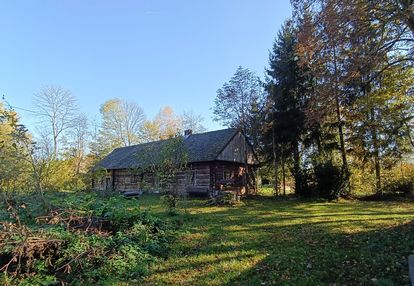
<point x="216" y="160"/>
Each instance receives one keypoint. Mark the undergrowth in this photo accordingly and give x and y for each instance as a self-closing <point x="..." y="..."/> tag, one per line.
<point x="79" y="239"/>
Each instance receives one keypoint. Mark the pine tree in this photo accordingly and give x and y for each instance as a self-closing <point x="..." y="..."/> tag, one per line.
<point x="285" y="86"/>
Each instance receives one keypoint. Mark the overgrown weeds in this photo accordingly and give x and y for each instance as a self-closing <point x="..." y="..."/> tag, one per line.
<point x="81" y="239"/>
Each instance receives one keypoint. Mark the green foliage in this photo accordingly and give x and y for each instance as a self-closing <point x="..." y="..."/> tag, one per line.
<point x="398" y="182"/>
<point x="403" y="187"/>
<point x="164" y="162"/>
<point x="330" y="180"/>
<point x="171" y="202"/>
<point x="287" y="85"/>
<point x="83" y="239"/>
<point x="14" y="164"/>
<point x="340" y="86"/>
<point x="240" y="102"/>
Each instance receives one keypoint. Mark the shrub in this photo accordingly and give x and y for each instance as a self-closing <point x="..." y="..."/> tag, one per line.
<point x="331" y="182"/>
<point x="397" y="183"/>
<point x="224" y="198"/>
<point x="170" y="200"/>
<point x="399" y="186"/>
<point x="83" y="240"/>
<point x="306" y="184"/>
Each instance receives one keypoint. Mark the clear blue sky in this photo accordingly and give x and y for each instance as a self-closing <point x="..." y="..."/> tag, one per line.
<point x="156" y="53"/>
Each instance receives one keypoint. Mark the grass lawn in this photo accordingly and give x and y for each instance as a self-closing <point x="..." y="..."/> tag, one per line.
<point x="289" y="242"/>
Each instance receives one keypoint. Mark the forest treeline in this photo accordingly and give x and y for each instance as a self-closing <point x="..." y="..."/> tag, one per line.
<point x="67" y="145"/>
<point x="332" y="115"/>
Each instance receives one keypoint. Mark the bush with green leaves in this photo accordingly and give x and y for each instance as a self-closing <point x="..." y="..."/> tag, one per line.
<point x="403" y="187"/>
<point x="331" y="181"/>
<point x="82" y="239"/>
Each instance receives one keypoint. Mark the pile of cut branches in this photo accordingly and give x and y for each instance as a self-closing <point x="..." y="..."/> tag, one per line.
<point x="74" y="220"/>
<point x="21" y="247"/>
<point x="99" y="241"/>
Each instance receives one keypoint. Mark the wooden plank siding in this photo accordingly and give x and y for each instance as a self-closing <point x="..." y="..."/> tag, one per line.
<point x="235" y="151"/>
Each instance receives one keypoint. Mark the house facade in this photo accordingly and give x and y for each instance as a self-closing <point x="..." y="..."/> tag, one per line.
<point x="217" y="160"/>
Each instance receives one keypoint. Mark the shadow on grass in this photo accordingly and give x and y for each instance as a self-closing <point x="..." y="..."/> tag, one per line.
<point x="292" y="243"/>
<point x="377" y="257"/>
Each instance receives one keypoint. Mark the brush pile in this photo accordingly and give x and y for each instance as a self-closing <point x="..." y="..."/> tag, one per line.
<point x="86" y="240"/>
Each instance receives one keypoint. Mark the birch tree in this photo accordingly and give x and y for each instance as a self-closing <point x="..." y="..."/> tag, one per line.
<point x="192" y="121"/>
<point x="122" y="122"/>
<point x="57" y="108"/>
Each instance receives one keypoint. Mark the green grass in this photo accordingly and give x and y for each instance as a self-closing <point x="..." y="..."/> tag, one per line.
<point x="258" y="242"/>
<point x="288" y="242"/>
<point x="268" y="191"/>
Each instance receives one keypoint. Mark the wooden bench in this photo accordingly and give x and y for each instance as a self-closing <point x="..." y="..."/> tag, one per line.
<point x="132" y="194"/>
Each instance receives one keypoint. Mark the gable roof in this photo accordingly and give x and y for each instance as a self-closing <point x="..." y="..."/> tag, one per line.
<point x="202" y="147"/>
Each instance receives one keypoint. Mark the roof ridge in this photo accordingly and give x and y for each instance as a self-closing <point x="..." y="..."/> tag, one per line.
<point x="162" y="140"/>
<point x="213" y="131"/>
<point x="201" y="147"/>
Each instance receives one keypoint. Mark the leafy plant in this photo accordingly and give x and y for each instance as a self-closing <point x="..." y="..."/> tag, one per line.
<point x="83" y="239"/>
<point x="165" y="163"/>
<point x="330" y="180"/>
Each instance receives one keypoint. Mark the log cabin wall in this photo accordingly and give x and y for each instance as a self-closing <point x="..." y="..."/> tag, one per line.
<point x="199" y="178"/>
<point x="196" y="179"/>
<point x="129" y="180"/>
<point x="126" y="180"/>
<point x="104" y="183"/>
<point x="228" y="176"/>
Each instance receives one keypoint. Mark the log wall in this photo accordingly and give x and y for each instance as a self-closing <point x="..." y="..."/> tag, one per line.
<point x="228" y="176"/>
<point x="198" y="178"/>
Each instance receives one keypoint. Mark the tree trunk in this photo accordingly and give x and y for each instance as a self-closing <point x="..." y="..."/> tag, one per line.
<point x="246" y="166"/>
<point x="283" y="174"/>
<point x="340" y="127"/>
<point x="341" y="136"/>
<point x="296" y="168"/>
<point x="256" y="183"/>
<point x="55" y="147"/>
<point x="378" y="184"/>
<point x="275" y="161"/>
<point x="377" y="163"/>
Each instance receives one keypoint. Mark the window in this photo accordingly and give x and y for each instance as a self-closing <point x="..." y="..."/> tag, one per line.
<point x="228" y="175"/>
<point x="135" y="179"/>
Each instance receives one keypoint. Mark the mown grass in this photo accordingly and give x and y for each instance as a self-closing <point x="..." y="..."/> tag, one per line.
<point x="288" y="242"/>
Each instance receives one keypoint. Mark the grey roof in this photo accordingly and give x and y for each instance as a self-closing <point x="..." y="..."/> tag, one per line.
<point x="202" y="147"/>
